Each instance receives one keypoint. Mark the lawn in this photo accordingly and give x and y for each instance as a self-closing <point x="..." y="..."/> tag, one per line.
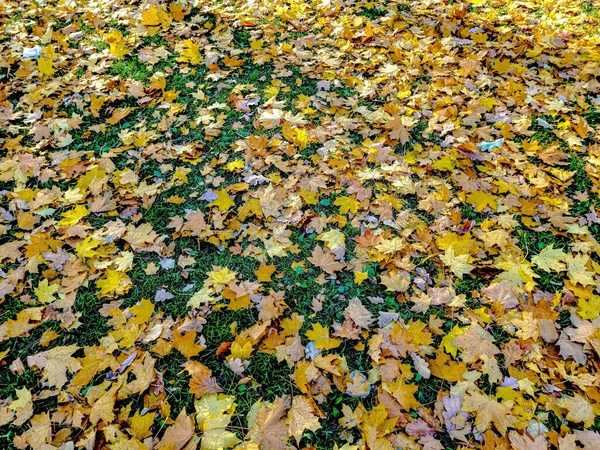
<point x="320" y="224"/>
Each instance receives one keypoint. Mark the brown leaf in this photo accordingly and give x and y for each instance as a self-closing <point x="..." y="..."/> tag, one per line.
<point x="178" y="434"/>
<point x="301" y="418"/>
<point x="325" y="261"/>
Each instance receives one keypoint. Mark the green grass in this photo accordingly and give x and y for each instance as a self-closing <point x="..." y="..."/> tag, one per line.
<point x="373" y="13"/>
<point x="130" y="69"/>
<point x="591" y="9"/>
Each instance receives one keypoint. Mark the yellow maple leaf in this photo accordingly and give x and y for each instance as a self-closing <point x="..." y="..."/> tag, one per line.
<point x="333" y="239"/>
<point x="256" y="44"/>
<point x="241" y="348"/>
<point x="302" y="138"/>
<point x="116" y="43"/>
<point x="589" y="309"/>
<point x="396" y="281"/>
<point x="176" y="9"/>
<point x="88" y="248"/>
<point x="309" y="197"/>
<point x="449" y="338"/>
<point x="204" y="295"/>
<point x="517" y="270"/>
<point x="223" y="201"/>
<point x="221" y="275"/>
<point x="45" y="292"/>
<point x="550" y="258"/>
<point x="45" y="66"/>
<point x="320" y="336"/>
<point x="142" y="312"/>
<point x="235" y="165"/>
<point x="404" y="393"/>
<point x="481" y="200"/>
<point x="102" y="408"/>
<point x="70" y="218"/>
<point x="150" y="16"/>
<point x="458" y="263"/>
<point x="347" y="204"/>
<point x="139" y="425"/>
<point x="23" y="399"/>
<point x="213" y="414"/>
<point x="264" y="272"/>
<point x="116" y="282"/>
<point x="577" y="269"/>
<point x="443" y="367"/>
<point x="190" y="52"/>
<point x="487" y="411"/>
<point x="359" y="276"/>
<point x="186" y="343"/>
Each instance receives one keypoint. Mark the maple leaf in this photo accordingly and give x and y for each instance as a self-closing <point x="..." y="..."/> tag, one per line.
<point x="213" y="414"/>
<point x="139" y="425"/>
<point x="320" y="336"/>
<point x="481" y="200"/>
<point x="475" y="342"/>
<point x="116" y="43"/>
<point x="448" y="339"/>
<point x="23" y="399"/>
<point x="301" y="418"/>
<point x="359" y="276"/>
<point x="203" y="296"/>
<point x="458" y="263"/>
<point x="264" y="272"/>
<point x="186" y="343"/>
<point x="178" y="434"/>
<point x="396" y="281"/>
<point x="143" y="311"/>
<point x="45" y="291"/>
<point x="55" y="363"/>
<point x="578" y="409"/>
<point x="45" y="66"/>
<point x="190" y="52"/>
<point x="333" y="239"/>
<point x="398" y="130"/>
<point x="347" y="204"/>
<point x="517" y="271"/>
<point x="223" y="201"/>
<point x="116" y="282"/>
<point x="375" y="425"/>
<point x="269" y="428"/>
<point x="102" y="408"/>
<point x="577" y="269"/>
<point x="359" y="314"/>
<point x="150" y="16"/>
<point x="241" y="349"/>
<point x="359" y="385"/>
<point x="271" y="118"/>
<point x="221" y="275"/>
<point x="550" y="258"/>
<point x="201" y="386"/>
<point x="443" y="367"/>
<point x="404" y="393"/>
<point x="488" y="411"/>
<point x="40" y="433"/>
<point x="325" y="261"/>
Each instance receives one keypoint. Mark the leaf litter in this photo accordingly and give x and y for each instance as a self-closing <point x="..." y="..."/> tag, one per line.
<point x="299" y="224"/>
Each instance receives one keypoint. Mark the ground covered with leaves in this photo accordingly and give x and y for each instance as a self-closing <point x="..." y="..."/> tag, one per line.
<point x="278" y="224"/>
